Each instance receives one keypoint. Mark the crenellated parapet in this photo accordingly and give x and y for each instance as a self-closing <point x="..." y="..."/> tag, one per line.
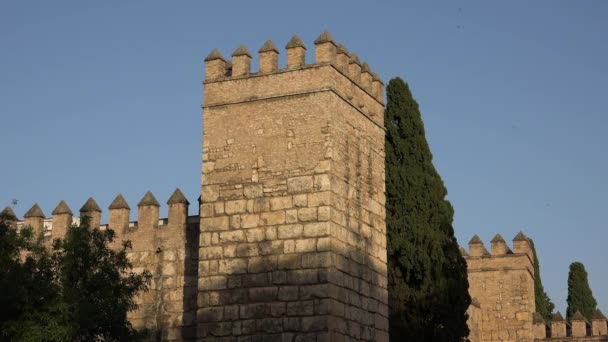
<point x="118" y="218"/>
<point x="579" y="328"/>
<point x="166" y="247"/>
<point x="352" y="80"/>
<point x="502" y="281"/>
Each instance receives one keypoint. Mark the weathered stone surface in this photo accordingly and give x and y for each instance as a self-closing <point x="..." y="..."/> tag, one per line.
<point x="293" y="194"/>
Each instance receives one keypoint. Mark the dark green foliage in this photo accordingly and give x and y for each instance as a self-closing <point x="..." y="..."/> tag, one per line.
<point x="80" y="290"/>
<point x="427" y="275"/>
<point x="544" y="306"/>
<point x="580" y="296"/>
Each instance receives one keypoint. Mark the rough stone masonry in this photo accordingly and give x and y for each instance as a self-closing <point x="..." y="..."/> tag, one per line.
<point x="292" y="229"/>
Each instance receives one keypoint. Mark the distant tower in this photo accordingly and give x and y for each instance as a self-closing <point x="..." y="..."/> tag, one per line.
<point x="293" y="233"/>
<point x="502" y="286"/>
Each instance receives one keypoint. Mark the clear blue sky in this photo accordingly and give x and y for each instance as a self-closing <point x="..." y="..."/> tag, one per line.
<point x="101" y="97"/>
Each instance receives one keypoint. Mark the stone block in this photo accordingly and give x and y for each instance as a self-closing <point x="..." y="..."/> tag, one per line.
<point x="253" y="191"/>
<point x="214" y="223"/>
<point x="317" y="199"/>
<point x="210" y="193"/>
<point x="233" y="266"/>
<point x="210" y="314"/>
<point x="290" y="231"/>
<point x="322" y="182"/>
<point x="250" y="220"/>
<point x="235" y="221"/>
<point x="271" y="233"/>
<point x="322" y="259"/>
<point x="288" y="293"/>
<point x="291" y="216"/>
<point x="280" y="203"/>
<point x="262" y="264"/>
<point x="263" y="294"/>
<point x="272" y="218"/>
<point x="212" y="283"/>
<point x="232" y="236"/>
<point x="324" y="213"/>
<point x="300" y="184"/>
<point x="316" y="229"/>
<point x="218" y="208"/>
<point x="206" y="209"/>
<point x="297" y="277"/>
<point x="306" y="245"/>
<point x="255" y="234"/>
<point x="247" y="250"/>
<point x="300" y="308"/>
<point x="211" y="252"/>
<point x="300" y="200"/>
<point x="235" y="207"/>
<point x="307" y="214"/>
<point x="271" y="247"/>
<point x="290" y="261"/>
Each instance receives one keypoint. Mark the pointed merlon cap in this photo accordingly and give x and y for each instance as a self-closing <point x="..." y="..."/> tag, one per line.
<point x="241" y="51"/>
<point x="295" y="42"/>
<point x="178" y="198"/>
<point x="557" y="317"/>
<point x="215" y="54"/>
<point x="268" y="47"/>
<point x="597" y="314"/>
<point x="537" y="318"/>
<point x="62" y="208"/>
<point x="475" y="240"/>
<point x="342" y="49"/>
<point x="8" y="211"/>
<point x="148" y="200"/>
<point x="463" y="251"/>
<point x="119" y="203"/>
<point x="485" y="251"/>
<point x="34" y="211"/>
<point x="578" y="316"/>
<point x="90" y="205"/>
<point x="520" y="237"/>
<point x="325" y="37"/>
<point x="365" y="68"/>
<point x="354" y="59"/>
<point x="497" y="238"/>
<point x="376" y="78"/>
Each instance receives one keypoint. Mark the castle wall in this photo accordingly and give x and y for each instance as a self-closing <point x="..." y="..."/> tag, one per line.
<point x="292" y="242"/>
<point x="503" y="284"/>
<point x="170" y="253"/>
<point x="167" y="248"/>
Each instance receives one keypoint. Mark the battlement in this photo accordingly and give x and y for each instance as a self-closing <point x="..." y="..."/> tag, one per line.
<point x="228" y="82"/>
<point x="166" y="247"/>
<point x="118" y="219"/>
<point x="502" y="283"/>
<point x="579" y="329"/>
<point x="501" y="256"/>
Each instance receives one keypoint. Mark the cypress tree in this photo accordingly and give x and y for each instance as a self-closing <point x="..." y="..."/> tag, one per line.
<point x="580" y="296"/>
<point x="544" y="306"/>
<point x="427" y="275"/>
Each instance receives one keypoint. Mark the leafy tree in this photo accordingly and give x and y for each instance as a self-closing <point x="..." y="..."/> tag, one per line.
<point x="427" y="275"/>
<point x="27" y="282"/>
<point x="544" y="306"/>
<point x="79" y="290"/>
<point x="580" y="296"/>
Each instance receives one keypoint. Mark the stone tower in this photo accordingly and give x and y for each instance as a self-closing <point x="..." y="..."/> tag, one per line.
<point x="501" y="283"/>
<point x="292" y="228"/>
